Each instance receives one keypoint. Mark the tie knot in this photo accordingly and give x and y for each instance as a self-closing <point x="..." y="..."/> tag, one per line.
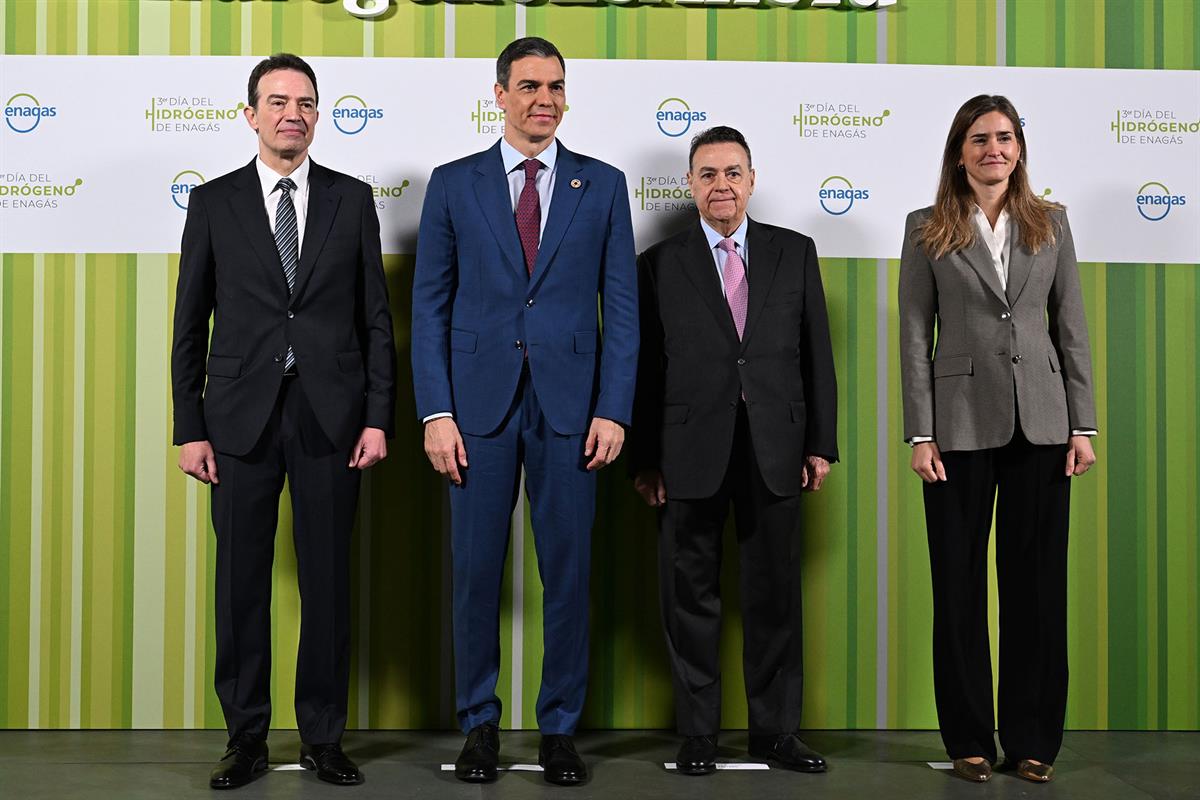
<point x="531" y="166"/>
<point x="286" y="185"/>
<point x="728" y="245"/>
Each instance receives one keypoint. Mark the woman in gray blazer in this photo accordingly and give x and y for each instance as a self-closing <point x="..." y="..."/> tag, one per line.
<point x="996" y="374"/>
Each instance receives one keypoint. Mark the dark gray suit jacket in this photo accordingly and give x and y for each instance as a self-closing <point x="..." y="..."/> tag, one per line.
<point x="996" y="351"/>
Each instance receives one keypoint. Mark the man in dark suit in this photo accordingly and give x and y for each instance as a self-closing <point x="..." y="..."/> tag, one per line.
<point x="736" y="403"/>
<point x="515" y="246"/>
<point x="284" y="255"/>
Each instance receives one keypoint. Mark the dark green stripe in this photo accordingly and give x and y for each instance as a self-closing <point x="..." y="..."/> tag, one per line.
<point x="850" y="381"/>
<point x="1160" y="472"/>
<point x="1123" y="673"/>
<point x="1010" y="32"/>
<point x="1060" y="33"/>
<point x="1118" y="35"/>
<point x="6" y="469"/>
<point x="220" y="21"/>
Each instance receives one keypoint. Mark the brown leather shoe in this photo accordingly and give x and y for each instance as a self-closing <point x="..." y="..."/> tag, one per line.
<point x="977" y="773"/>
<point x="1033" y="771"/>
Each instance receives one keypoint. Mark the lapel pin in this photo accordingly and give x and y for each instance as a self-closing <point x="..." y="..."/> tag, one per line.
<point x="576" y="183"/>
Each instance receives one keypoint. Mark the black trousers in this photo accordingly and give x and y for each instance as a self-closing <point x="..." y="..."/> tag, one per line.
<point x="1031" y="494"/>
<point x="245" y="510"/>
<point x="690" y="595"/>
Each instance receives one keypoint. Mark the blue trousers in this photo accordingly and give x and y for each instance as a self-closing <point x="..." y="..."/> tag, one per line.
<point x="562" y="501"/>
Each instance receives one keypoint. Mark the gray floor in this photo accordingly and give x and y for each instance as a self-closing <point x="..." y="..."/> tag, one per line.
<point x="624" y="764"/>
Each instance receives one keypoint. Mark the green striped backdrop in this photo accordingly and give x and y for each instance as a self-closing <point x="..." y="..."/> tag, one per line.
<point x="106" y="550"/>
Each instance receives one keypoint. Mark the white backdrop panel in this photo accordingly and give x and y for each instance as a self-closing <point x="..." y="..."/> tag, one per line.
<point x="156" y="125"/>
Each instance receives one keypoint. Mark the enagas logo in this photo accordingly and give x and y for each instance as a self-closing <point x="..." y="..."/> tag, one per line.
<point x="182" y="186"/>
<point x="675" y="117"/>
<point x="351" y="114"/>
<point x="23" y="112"/>
<point x="837" y="195"/>
<point x="1154" y="201"/>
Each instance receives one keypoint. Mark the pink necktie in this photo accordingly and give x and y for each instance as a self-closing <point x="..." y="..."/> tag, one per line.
<point x="737" y="292"/>
<point x="529" y="214"/>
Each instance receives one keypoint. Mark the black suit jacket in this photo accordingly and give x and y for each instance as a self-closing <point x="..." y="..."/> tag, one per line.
<point x="337" y="319"/>
<point x="693" y="368"/>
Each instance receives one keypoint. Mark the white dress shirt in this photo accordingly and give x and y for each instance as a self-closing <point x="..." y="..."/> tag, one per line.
<point x="269" y="179"/>
<point x="996" y="240"/>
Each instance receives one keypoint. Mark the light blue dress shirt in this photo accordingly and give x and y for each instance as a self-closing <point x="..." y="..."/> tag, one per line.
<point x="545" y="177"/>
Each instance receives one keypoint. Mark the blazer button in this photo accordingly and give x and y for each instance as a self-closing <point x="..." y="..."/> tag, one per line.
<point x="1005" y="315"/>
<point x="741" y="362"/>
<point x="291" y="314"/>
<point x="518" y="344"/>
<point x="278" y="357"/>
<point x="1016" y="359"/>
<point x="529" y="303"/>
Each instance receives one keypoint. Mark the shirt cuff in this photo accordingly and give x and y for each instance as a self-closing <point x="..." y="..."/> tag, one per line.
<point x="438" y="415"/>
<point x="1083" y="432"/>
<point x="912" y="440"/>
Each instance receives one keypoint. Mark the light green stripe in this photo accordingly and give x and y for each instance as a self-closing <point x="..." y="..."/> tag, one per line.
<point x="37" y="454"/>
<point x="154" y="28"/>
<point x="149" y="588"/>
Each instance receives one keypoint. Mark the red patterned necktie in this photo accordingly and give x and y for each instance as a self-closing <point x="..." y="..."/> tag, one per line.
<point x="737" y="291"/>
<point x="529" y="214"/>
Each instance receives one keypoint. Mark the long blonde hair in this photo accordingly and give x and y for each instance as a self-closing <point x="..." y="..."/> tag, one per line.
<point x="949" y="228"/>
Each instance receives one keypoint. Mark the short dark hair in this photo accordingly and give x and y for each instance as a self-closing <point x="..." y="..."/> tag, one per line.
<point x="521" y="48"/>
<point x="717" y="135"/>
<point x="277" y="62"/>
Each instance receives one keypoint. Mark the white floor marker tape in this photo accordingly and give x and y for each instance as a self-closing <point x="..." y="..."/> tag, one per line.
<point x="734" y="765"/>
<point x="504" y="768"/>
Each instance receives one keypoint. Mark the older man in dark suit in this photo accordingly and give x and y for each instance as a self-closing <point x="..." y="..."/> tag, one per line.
<point x="297" y="382"/>
<point x="736" y="403"/>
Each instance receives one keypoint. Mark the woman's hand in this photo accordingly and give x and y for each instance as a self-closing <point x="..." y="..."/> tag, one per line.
<point x="927" y="462"/>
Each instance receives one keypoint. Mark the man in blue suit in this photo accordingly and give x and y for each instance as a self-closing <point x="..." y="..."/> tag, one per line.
<point x="515" y="246"/>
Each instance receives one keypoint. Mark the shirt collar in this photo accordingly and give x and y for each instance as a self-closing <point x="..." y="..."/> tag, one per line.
<point x="269" y="177"/>
<point x="738" y="236"/>
<point x="1001" y="221"/>
<point x="513" y="158"/>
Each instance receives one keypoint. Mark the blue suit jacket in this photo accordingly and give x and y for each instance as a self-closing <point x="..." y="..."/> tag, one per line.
<point x="477" y="313"/>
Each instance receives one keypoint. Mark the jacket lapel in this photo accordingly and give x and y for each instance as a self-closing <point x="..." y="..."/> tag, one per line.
<point x="761" y="272"/>
<point x="700" y="267"/>
<point x="1020" y="263"/>
<point x="979" y="258"/>
<point x="563" y="203"/>
<point x="491" y="190"/>
<point x="251" y="214"/>
<point x="323" y="202"/>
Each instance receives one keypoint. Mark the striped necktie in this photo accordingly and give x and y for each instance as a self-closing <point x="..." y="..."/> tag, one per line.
<point x="287" y="239"/>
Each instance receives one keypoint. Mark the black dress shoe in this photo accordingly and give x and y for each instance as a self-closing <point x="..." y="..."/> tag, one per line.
<point x="480" y="755"/>
<point x="331" y="764"/>
<point x="697" y="756"/>
<point x="561" y="764"/>
<point x="787" y="751"/>
<point x="244" y="758"/>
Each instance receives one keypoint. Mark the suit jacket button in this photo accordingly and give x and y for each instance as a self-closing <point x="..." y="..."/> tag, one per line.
<point x="518" y="344"/>
<point x="278" y="357"/>
<point x="291" y="314"/>
<point x="529" y="303"/>
<point x="1005" y="315"/>
<point x="741" y="362"/>
<point x="1016" y="359"/>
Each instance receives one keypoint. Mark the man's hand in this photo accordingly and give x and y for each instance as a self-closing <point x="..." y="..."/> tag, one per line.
<point x="1080" y="455"/>
<point x="813" y="473"/>
<point x="927" y="462"/>
<point x="198" y="460"/>
<point x="445" y="448"/>
<point x="370" y="449"/>
<point x="605" y="438"/>
<point x="649" y="484"/>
